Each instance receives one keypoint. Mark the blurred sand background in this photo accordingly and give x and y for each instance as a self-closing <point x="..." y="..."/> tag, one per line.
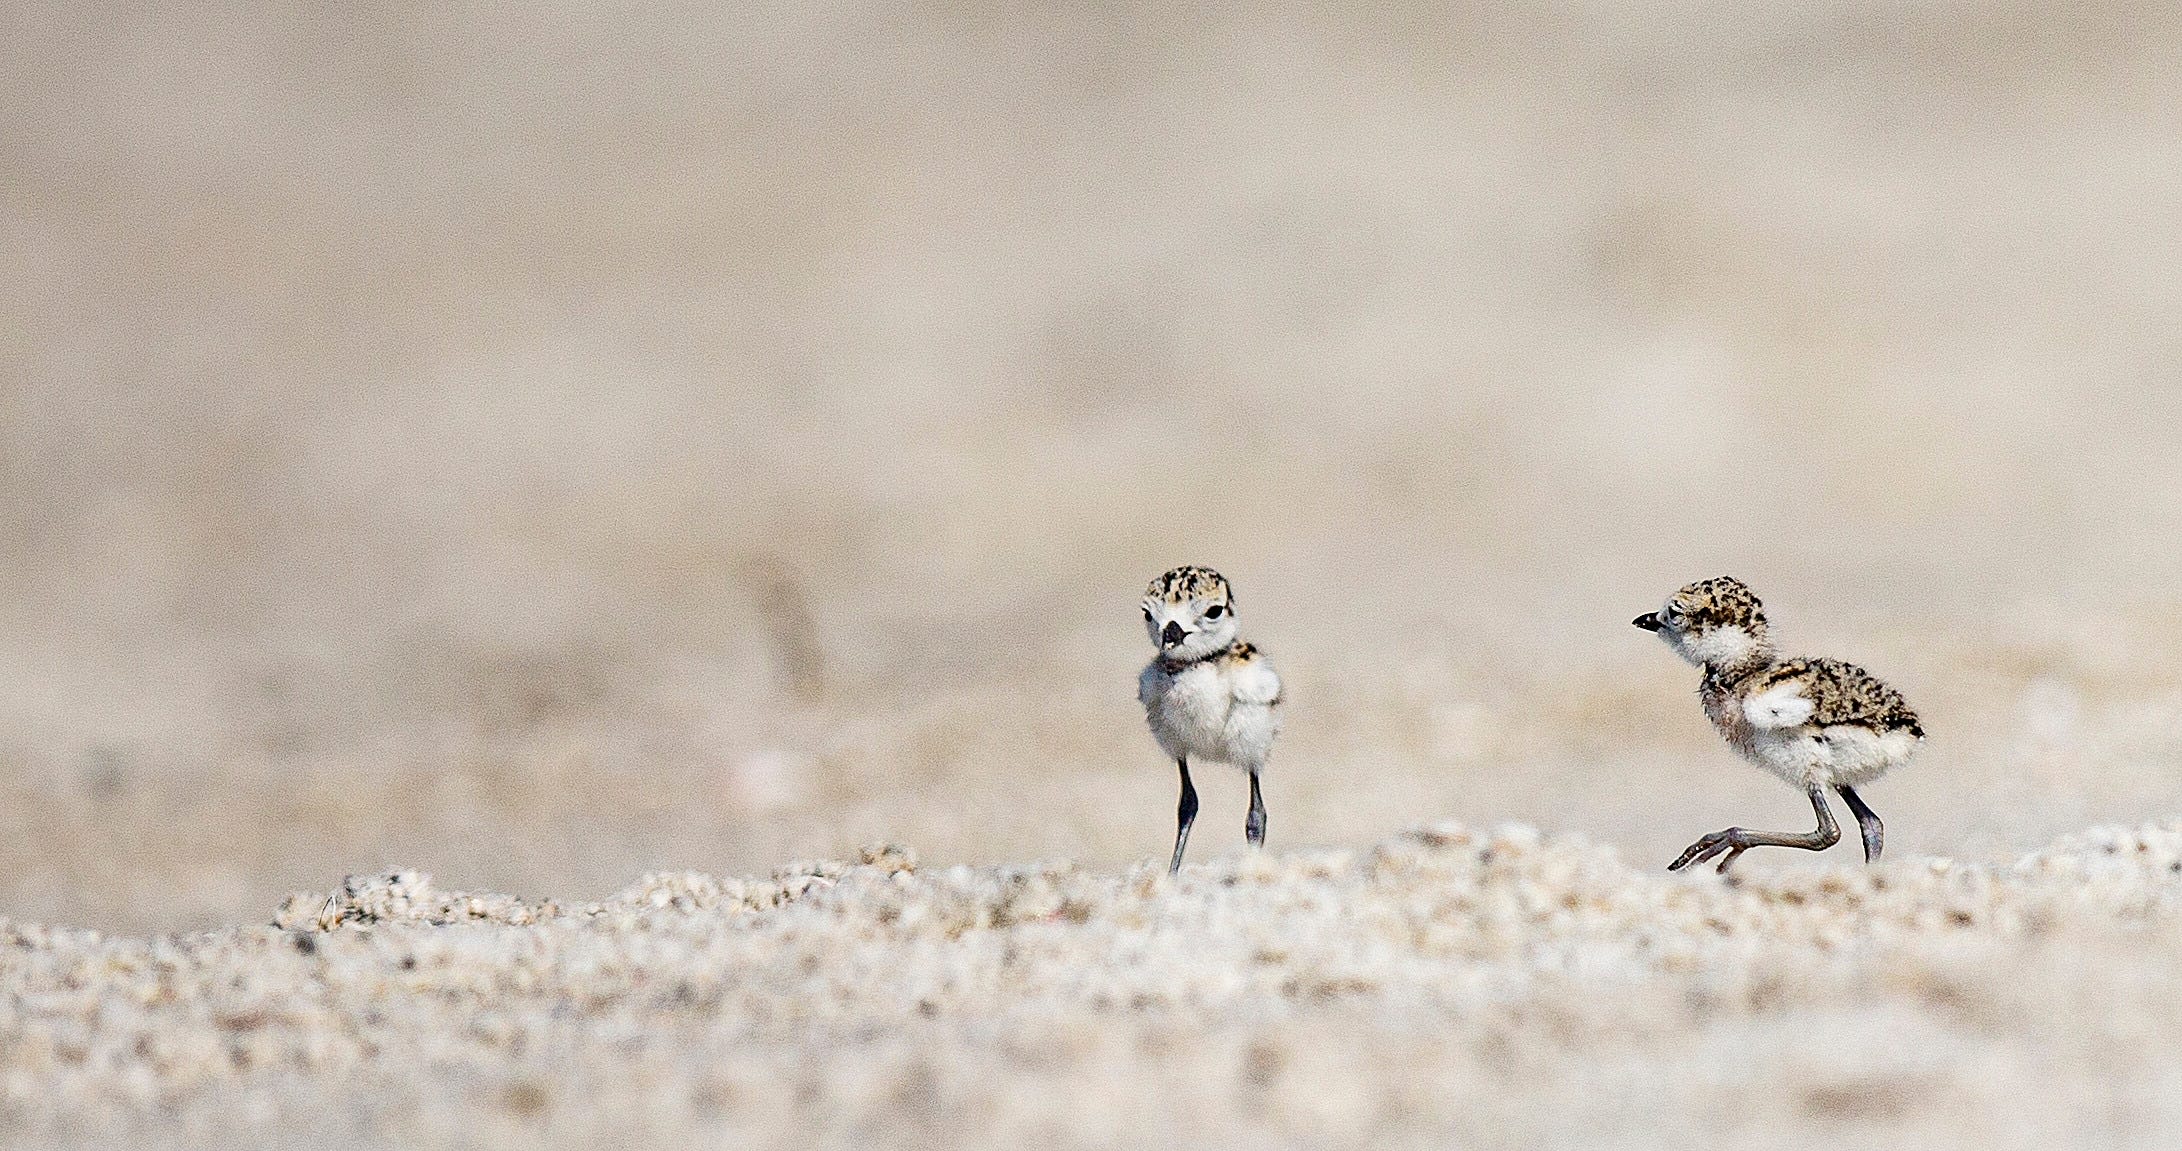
<point x="577" y="449"/>
<point x="540" y="445"/>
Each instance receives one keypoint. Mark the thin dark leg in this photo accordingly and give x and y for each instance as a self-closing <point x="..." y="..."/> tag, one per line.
<point x="1184" y="815"/>
<point x="1254" y="827"/>
<point x="1735" y="840"/>
<point x="1867" y="819"/>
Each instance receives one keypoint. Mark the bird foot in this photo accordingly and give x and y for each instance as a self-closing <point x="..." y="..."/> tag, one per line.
<point x="1734" y="841"/>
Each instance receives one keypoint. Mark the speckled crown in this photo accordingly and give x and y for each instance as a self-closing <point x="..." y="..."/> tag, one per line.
<point x="1720" y="601"/>
<point x="1190" y="582"/>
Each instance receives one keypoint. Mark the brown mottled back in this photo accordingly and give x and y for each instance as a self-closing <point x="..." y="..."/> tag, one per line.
<point x="1842" y="693"/>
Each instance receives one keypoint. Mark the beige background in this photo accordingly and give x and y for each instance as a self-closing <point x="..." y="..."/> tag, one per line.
<point x="539" y="446"/>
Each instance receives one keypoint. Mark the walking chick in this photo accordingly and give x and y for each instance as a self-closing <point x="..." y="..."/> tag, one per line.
<point x="1816" y="723"/>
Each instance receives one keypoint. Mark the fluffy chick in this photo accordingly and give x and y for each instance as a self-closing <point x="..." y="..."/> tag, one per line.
<point x="1815" y="723"/>
<point x="1207" y="695"/>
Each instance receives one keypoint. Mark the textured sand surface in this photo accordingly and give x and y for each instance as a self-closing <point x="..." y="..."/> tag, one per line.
<point x="1447" y="987"/>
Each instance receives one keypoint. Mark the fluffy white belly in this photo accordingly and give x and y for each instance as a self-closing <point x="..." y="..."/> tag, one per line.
<point x="1194" y="714"/>
<point x="1836" y="755"/>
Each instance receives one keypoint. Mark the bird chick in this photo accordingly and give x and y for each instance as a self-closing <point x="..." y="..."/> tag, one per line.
<point x="1816" y="723"/>
<point x="1207" y="695"/>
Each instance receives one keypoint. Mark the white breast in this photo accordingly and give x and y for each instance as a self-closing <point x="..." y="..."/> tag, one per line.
<point x="1187" y="709"/>
<point x="1197" y="713"/>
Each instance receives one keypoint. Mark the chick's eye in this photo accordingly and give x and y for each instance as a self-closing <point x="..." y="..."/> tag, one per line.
<point x="1215" y="611"/>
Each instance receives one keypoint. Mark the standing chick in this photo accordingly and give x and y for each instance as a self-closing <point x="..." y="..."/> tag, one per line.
<point x="1207" y="695"/>
<point x="1816" y="723"/>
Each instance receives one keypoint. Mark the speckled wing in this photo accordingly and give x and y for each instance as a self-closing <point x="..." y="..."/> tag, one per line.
<point x="1826" y="692"/>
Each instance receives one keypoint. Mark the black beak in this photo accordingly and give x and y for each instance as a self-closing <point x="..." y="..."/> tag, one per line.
<point x="1172" y="635"/>
<point x="1649" y="621"/>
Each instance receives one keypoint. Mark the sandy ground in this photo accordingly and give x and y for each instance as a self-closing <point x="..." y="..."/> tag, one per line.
<point x="1447" y="987"/>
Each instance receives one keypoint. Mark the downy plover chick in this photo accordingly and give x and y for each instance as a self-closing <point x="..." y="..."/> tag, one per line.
<point x="1207" y="695"/>
<point x="1817" y="723"/>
